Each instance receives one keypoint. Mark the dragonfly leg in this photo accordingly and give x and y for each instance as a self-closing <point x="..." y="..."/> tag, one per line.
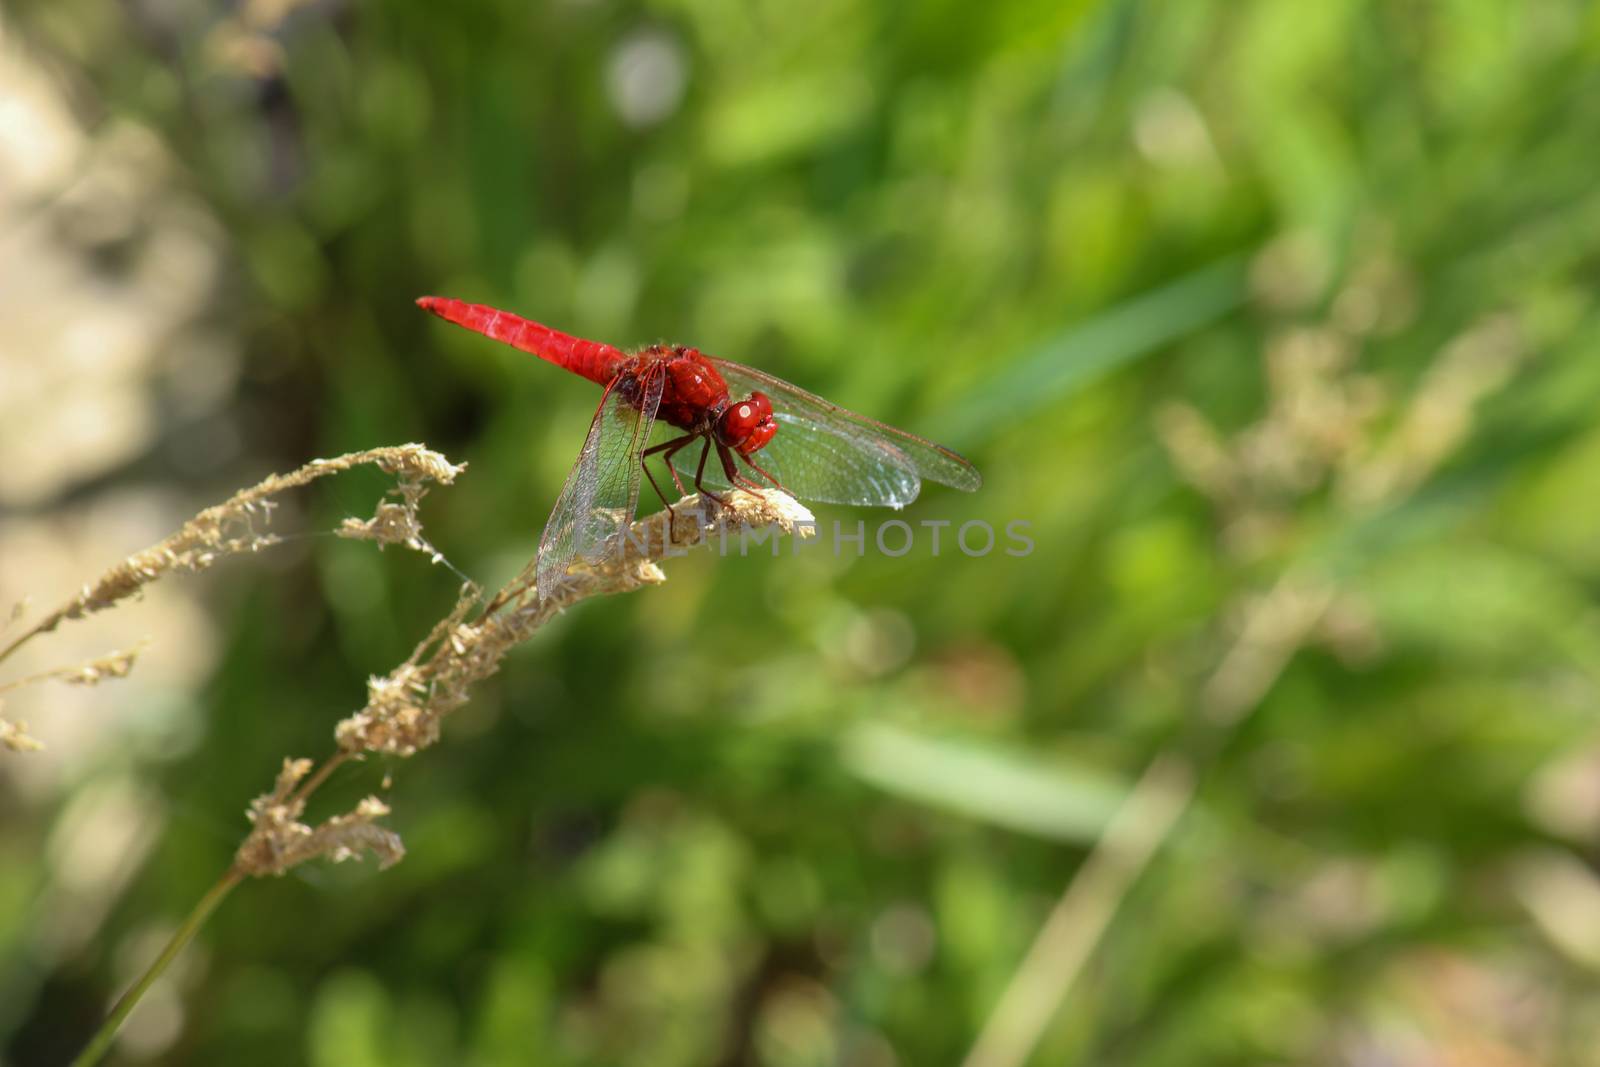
<point x="666" y="448"/>
<point x="700" y="473"/>
<point x="759" y="469"/>
<point x="731" y="469"/>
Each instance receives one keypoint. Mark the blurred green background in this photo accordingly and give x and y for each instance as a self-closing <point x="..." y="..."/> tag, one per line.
<point x="1276" y="321"/>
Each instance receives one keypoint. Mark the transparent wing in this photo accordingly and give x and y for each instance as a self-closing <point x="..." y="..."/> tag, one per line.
<point x="829" y="454"/>
<point x="602" y="490"/>
<point x="817" y="464"/>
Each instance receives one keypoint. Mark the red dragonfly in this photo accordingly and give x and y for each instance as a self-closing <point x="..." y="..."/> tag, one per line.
<point x="824" y="452"/>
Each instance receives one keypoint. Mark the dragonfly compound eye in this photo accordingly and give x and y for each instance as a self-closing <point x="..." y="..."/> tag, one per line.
<point x="747" y="424"/>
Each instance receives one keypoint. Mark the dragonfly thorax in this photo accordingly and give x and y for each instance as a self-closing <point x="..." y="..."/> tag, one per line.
<point x="695" y="397"/>
<point x="693" y="394"/>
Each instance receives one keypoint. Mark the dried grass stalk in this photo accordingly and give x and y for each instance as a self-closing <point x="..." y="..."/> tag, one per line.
<point x="93" y="672"/>
<point x="231" y="528"/>
<point x="405" y="708"/>
<point x="281" y="841"/>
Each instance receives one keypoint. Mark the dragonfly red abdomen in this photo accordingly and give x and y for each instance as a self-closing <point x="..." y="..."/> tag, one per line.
<point x="595" y="361"/>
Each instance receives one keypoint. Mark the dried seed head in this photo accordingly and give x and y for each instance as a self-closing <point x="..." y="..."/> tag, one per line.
<point x="114" y="665"/>
<point x="396" y="522"/>
<point x="229" y="528"/>
<point x="14" y="737"/>
<point x="404" y="707"/>
<point x="280" y="841"/>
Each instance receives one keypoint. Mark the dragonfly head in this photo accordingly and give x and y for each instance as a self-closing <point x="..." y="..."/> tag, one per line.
<point x="747" y="425"/>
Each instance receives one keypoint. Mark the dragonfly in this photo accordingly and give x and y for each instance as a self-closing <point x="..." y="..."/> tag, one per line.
<point x="761" y="430"/>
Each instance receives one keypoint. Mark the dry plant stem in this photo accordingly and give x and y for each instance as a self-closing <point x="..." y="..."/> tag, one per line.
<point x="313" y="783"/>
<point x="229" y="528"/>
<point x="185" y="933"/>
<point x="1276" y="627"/>
<point x="404" y="708"/>
<point x="95" y="671"/>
